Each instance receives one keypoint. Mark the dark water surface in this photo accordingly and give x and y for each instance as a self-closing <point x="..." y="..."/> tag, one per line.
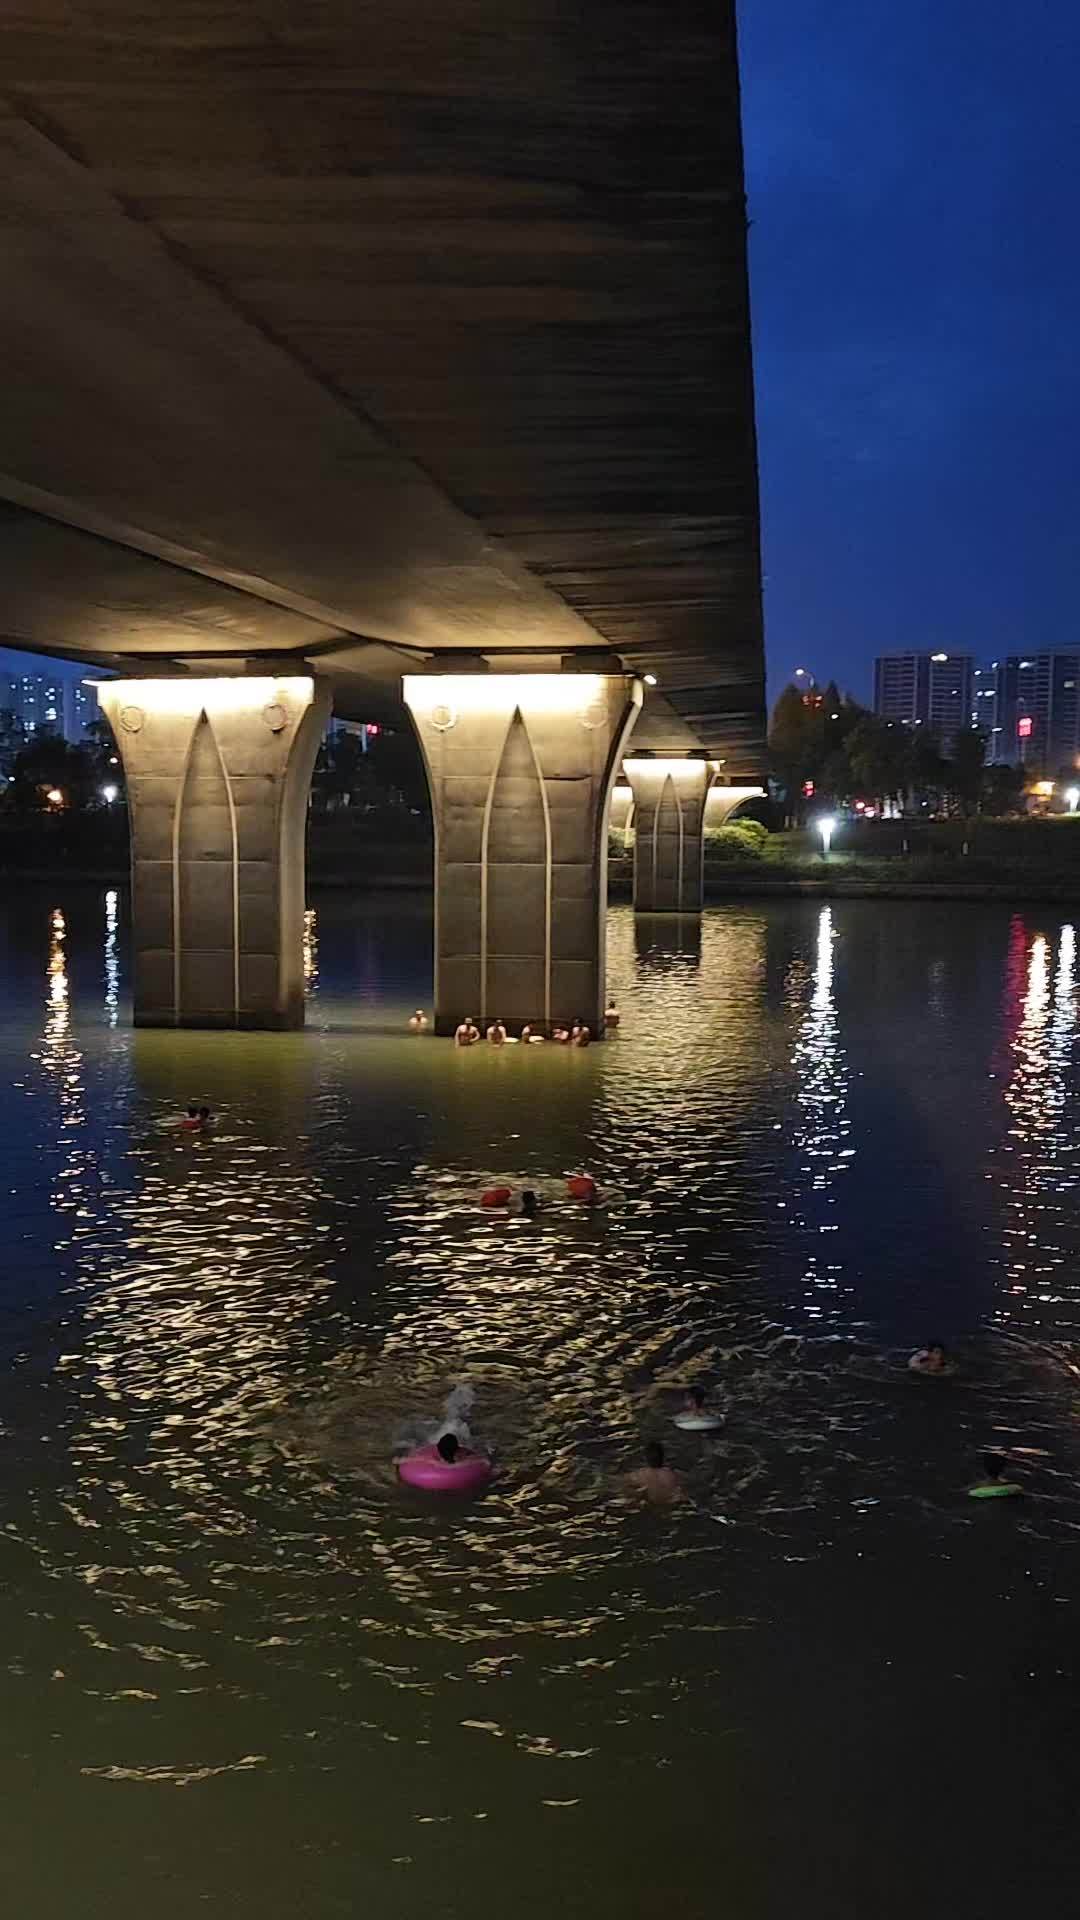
<point x="244" y="1673"/>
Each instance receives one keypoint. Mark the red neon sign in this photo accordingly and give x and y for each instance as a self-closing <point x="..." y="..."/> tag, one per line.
<point x="1024" y="726"/>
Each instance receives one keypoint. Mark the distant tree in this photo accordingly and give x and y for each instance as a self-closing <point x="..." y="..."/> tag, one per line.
<point x="398" y="767"/>
<point x="12" y="740"/>
<point x="835" y="780"/>
<point x="49" y="761"/>
<point x="966" y="767"/>
<point x="880" y="758"/>
<point x="796" y="744"/>
<point x="343" y="775"/>
<point x="1002" y="790"/>
<point x="927" y="769"/>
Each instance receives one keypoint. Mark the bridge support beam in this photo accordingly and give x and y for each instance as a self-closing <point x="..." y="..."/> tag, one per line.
<point x="669" y="837"/>
<point x="217" y="773"/>
<point x="520" y="768"/>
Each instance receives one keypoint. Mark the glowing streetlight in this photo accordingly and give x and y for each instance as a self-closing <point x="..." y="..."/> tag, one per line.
<point x="826" y="826"/>
<point x="54" y="797"/>
<point x="109" y="794"/>
<point x="1072" y="798"/>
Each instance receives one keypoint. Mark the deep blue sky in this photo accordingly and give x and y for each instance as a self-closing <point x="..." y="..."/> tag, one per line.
<point x="913" y="168"/>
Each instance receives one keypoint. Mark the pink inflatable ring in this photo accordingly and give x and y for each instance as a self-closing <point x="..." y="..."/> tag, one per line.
<point x="426" y="1468"/>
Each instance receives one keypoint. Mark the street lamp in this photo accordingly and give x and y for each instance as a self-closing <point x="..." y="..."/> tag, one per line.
<point x="826" y="826"/>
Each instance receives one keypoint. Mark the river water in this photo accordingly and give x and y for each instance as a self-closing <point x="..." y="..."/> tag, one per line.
<point x="245" y="1673"/>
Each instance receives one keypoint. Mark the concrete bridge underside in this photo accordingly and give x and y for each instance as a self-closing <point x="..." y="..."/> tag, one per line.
<point x="354" y="343"/>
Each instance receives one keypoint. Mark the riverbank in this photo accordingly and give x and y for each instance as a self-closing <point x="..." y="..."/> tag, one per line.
<point x="998" y="860"/>
<point x="1001" y="861"/>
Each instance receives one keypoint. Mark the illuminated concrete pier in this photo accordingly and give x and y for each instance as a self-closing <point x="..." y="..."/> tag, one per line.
<point x="669" y="833"/>
<point x="520" y="768"/>
<point x="218" y="773"/>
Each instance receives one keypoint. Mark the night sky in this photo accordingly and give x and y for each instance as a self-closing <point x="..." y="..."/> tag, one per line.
<point x="912" y="173"/>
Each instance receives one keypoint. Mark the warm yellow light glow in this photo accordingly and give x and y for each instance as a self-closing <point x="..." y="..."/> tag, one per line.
<point x="231" y="693"/>
<point x="310" y="950"/>
<point x="472" y="693"/>
<point x="723" y="799"/>
<point x="678" y="769"/>
<point x="54" y="797"/>
<point x="1044" y="788"/>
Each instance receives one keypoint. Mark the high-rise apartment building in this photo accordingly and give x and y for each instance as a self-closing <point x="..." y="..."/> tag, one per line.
<point x="1036" y="711"/>
<point x="931" y="690"/>
<point x="49" y="700"/>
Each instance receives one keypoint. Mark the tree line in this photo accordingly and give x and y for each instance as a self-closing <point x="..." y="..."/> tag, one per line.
<point x="388" y="776"/>
<point x="826" y="742"/>
<point x="37" y="765"/>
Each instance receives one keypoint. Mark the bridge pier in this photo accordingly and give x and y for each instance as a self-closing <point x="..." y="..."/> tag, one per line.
<point x="669" y="833"/>
<point x="520" y="767"/>
<point x="218" y="773"/>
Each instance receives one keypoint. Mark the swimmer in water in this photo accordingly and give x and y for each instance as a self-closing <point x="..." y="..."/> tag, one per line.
<point x="206" y="1118"/>
<point x="694" y="1401"/>
<point x="446" y="1446"/>
<point x="530" y="1203"/>
<point x="658" y="1482"/>
<point x="418" y="1021"/>
<point x="468" y="1033"/>
<point x="192" y="1120"/>
<point x="561" y="1035"/>
<point x="496" y="1034"/>
<point x="612" y="1015"/>
<point x="580" y="1035"/>
<point x="932" y="1359"/>
<point x="993" y="1485"/>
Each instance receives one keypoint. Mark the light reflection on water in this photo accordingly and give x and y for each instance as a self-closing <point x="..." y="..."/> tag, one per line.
<point x="214" y="1581"/>
<point x="822" y="1128"/>
<point x="112" y="958"/>
<point x="1038" y="1156"/>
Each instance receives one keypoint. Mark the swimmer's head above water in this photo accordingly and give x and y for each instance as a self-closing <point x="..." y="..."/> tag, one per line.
<point x="447" y="1448"/>
<point x="933" y="1358"/>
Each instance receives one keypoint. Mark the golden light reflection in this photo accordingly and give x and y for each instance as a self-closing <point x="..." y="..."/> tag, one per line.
<point x="822" y="1126"/>
<point x="61" y="1058"/>
<point x="1038" y="1176"/>
<point x="57" y="1015"/>
<point x="311" y="951"/>
<point x="112" y="959"/>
